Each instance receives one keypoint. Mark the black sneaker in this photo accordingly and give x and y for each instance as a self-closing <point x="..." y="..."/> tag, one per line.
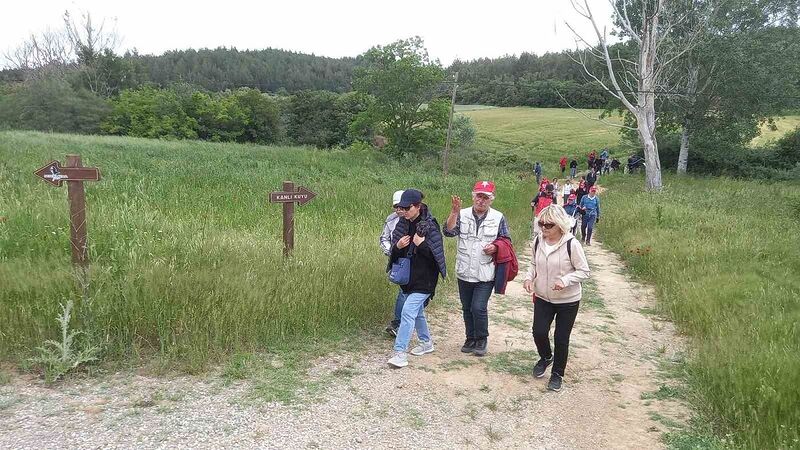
<point x="555" y="383"/>
<point x="480" y="347"/>
<point x="541" y="367"/>
<point x="469" y="346"/>
<point x="391" y="330"/>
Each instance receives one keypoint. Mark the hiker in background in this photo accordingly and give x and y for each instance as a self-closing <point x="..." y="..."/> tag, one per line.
<point x="604" y="156"/>
<point x="477" y="227"/>
<point x="607" y="167"/>
<point x="537" y="170"/>
<point x="557" y="268"/>
<point x="542" y="200"/>
<point x="615" y="165"/>
<point x="556" y="187"/>
<point x="563" y="164"/>
<point x="582" y="190"/>
<point x="598" y="166"/>
<point x="590" y="159"/>
<point x="591" y="177"/>
<point x="417" y="236"/>
<point x="543" y="184"/>
<point x="573" y="168"/>
<point x="590" y="208"/>
<point x="386" y="245"/>
<point x="568" y="189"/>
<point x="571" y="208"/>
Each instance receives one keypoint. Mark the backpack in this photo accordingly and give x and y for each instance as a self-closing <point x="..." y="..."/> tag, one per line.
<point x="543" y="202"/>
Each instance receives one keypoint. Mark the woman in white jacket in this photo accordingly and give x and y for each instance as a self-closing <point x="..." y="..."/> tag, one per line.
<point x="557" y="268"/>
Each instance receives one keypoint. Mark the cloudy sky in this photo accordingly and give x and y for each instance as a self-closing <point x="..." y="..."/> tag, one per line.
<point x="463" y="29"/>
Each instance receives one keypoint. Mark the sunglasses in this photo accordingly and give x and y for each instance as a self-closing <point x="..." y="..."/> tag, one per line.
<point x="546" y="226"/>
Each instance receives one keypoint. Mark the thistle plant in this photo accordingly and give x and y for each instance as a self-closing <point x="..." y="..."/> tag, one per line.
<point x="58" y="358"/>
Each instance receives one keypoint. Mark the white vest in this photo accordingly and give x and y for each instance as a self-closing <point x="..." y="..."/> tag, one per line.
<point x="471" y="263"/>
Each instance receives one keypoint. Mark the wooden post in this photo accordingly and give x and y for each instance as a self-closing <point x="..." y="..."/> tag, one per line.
<point x="449" y="126"/>
<point x="77" y="216"/>
<point x="288" y="221"/>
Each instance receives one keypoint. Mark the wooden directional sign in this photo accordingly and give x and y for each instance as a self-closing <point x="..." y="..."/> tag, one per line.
<point x="74" y="174"/>
<point x="54" y="174"/>
<point x="301" y="196"/>
<point x="289" y="197"/>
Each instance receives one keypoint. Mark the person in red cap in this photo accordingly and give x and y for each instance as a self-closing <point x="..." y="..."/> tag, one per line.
<point x="590" y="208"/>
<point x="476" y="227"/>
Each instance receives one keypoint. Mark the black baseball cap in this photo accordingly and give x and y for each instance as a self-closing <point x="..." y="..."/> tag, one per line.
<point x="410" y="197"/>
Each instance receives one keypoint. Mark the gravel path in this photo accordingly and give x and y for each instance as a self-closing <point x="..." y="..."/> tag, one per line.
<point x="442" y="400"/>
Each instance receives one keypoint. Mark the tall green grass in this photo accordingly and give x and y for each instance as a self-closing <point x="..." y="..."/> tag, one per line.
<point x="186" y="250"/>
<point x="724" y="257"/>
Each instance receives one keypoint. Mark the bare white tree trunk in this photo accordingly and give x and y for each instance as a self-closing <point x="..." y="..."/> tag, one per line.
<point x="691" y="90"/>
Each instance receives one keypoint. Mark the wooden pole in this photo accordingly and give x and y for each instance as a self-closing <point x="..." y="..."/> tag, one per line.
<point x="449" y="126"/>
<point x="288" y="221"/>
<point x="77" y="216"/>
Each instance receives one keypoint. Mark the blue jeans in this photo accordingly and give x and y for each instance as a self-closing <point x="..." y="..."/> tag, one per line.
<point x="475" y="307"/>
<point x="572" y="172"/>
<point x="412" y="317"/>
<point x="587" y="226"/>
<point x="398" y="306"/>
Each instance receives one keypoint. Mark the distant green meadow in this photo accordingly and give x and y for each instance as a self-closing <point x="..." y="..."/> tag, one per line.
<point x="186" y="251"/>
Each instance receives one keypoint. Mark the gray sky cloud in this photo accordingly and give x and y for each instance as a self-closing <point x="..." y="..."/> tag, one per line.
<point x="464" y="29"/>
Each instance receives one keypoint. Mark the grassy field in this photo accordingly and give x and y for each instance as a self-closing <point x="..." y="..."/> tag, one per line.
<point x="186" y="249"/>
<point x="518" y="136"/>
<point x="783" y="125"/>
<point x="726" y="268"/>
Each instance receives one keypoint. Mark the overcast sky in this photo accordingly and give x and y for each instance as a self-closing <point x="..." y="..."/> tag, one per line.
<point x="463" y="29"/>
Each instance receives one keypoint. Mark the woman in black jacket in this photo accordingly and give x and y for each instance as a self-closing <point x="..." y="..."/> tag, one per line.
<point x="417" y="236"/>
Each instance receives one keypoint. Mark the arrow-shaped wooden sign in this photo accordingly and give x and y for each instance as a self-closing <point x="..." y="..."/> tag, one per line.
<point x="55" y="174"/>
<point x="301" y="196"/>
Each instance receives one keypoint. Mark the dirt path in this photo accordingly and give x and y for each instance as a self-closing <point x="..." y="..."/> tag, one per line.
<point x="612" y="396"/>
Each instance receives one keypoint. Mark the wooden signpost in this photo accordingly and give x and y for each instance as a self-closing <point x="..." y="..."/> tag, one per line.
<point x="288" y="197"/>
<point x="74" y="174"/>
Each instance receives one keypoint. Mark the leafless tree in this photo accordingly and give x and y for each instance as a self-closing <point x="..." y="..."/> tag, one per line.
<point x="79" y="44"/>
<point x="636" y="83"/>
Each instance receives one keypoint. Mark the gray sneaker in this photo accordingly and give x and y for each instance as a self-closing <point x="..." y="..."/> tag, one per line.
<point x="400" y="359"/>
<point x="422" y="348"/>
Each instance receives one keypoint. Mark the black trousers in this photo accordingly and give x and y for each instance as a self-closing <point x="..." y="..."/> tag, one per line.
<point x="564" y="314"/>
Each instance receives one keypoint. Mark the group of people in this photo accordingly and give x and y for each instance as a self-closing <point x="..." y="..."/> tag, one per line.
<point x="579" y="200"/>
<point x="485" y="261"/>
<point x="601" y="164"/>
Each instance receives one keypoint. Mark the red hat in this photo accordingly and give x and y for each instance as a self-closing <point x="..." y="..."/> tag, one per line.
<point x="484" y="187"/>
<point x="593" y="189"/>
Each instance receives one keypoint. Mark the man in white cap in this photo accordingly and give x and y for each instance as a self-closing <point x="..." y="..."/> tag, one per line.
<point x="386" y="246"/>
<point x="477" y="227"/>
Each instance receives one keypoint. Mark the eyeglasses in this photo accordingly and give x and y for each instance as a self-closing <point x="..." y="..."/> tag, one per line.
<point x="546" y="226"/>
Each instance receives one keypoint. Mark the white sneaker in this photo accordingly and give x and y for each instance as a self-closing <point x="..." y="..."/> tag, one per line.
<point x="422" y="348"/>
<point x="400" y="359"/>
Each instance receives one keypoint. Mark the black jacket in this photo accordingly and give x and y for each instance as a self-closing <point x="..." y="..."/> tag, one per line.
<point x="427" y="260"/>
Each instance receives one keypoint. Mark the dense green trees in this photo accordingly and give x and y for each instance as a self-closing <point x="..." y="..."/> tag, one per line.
<point x="404" y="82"/>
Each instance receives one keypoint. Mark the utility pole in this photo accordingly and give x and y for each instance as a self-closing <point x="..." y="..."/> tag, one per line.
<point x="449" y="126"/>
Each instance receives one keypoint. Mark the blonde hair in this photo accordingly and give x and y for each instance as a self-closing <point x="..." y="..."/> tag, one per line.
<point x="555" y="214"/>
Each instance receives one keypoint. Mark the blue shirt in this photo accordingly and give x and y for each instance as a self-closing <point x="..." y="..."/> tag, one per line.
<point x="592" y="205"/>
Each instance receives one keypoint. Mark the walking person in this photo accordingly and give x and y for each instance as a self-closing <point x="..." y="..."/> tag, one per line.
<point x="476" y="228"/>
<point x="590" y="208"/>
<point x="582" y="190"/>
<point x="386" y="245"/>
<point x="416" y="236"/>
<point x="558" y="267"/>
<point x="573" y="168"/>
<point x="591" y="177"/>
<point x="568" y="189"/>
<point x="563" y="164"/>
<point x="571" y="208"/>
<point x="537" y="170"/>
